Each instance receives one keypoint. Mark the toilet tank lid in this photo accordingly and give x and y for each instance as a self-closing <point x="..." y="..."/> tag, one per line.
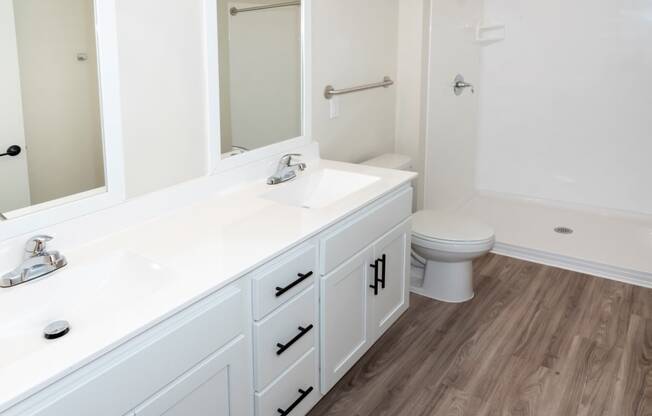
<point x="390" y="161"/>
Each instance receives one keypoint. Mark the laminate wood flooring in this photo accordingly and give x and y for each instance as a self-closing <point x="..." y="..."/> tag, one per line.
<point x="536" y="340"/>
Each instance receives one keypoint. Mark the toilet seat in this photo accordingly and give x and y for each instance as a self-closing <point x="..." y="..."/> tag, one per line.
<point x="439" y="228"/>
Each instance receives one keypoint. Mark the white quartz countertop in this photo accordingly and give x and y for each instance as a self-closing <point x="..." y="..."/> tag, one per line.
<point x="172" y="261"/>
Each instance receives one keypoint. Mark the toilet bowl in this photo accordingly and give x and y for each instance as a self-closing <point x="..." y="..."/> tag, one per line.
<point x="449" y="243"/>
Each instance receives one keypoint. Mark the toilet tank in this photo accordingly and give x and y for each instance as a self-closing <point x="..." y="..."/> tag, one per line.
<point x="391" y="161"/>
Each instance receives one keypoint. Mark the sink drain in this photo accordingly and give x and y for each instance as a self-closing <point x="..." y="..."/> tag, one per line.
<point x="56" y="329"/>
<point x="564" y="230"/>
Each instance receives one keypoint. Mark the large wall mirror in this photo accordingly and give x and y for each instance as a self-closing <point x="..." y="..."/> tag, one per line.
<point x="57" y="127"/>
<point x="260" y="73"/>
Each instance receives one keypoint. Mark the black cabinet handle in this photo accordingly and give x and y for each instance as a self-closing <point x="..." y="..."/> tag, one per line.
<point x="383" y="260"/>
<point x="304" y="394"/>
<point x="284" y="347"/>
<point x="375" y="285"/>
<point x="12" y="151"/>
<point x="281" y="290"/>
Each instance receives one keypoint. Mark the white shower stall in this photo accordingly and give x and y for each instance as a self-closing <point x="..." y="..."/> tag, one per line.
<point x="558" y="133"/>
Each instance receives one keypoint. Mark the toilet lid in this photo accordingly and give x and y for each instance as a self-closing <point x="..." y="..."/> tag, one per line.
<point x="439" y="225"/>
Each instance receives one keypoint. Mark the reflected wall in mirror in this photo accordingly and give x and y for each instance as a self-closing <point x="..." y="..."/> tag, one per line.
<point x="260" y="73"/>
<point x="49" y="106"/>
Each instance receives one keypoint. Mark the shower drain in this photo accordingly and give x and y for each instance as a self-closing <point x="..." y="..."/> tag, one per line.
<point x="564" y="230"/>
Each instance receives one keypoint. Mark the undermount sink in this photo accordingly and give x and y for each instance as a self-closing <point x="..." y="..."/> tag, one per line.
<point x="92" y="297"/>
<point x="320" y="189"/>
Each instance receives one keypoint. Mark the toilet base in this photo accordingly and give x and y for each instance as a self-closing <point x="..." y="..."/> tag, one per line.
<point x="447" y="282"/>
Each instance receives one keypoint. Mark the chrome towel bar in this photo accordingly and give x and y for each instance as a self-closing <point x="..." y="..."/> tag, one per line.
<point x="330" y="91"/>
<point x="235" y="10"/>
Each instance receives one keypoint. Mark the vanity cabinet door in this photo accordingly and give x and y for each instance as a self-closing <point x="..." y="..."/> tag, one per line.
<point x="390" y="273"/>
<point x="345" y="312"/>
<point x="215" y="387"/>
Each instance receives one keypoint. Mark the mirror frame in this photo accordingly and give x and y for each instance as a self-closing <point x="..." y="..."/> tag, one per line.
<point x="51" y="213"/>
<point x="214" y="152"/>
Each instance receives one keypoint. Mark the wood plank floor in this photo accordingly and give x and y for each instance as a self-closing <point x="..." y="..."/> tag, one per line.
<point x="536" y="340"/>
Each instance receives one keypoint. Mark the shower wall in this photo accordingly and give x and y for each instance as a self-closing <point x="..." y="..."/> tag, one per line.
<point x="566" y="102"/>
<point x="451" y="122"/>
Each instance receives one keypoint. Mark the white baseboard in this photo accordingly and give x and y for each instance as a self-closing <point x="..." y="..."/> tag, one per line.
<point x="619" y="274"/>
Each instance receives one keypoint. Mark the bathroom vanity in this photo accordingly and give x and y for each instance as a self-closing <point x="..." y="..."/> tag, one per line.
<point x="233" y="293"/>
<point x="253" y="303"/>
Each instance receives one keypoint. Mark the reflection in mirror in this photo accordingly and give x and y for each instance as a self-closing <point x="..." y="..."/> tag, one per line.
<point x="260" y="73"/>
<point x="50" y="127"/>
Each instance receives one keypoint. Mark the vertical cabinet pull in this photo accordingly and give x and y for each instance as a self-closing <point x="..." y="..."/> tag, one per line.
<point x="284" y="347"/>
<point x="375" y="285"/>
<point x="379" y="281"/>
<point x="303" y="395"/>
<point x="383" y="260"/>
<point x="281" y="290"/>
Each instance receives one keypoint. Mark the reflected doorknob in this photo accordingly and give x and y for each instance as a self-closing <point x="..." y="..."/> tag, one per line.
<point x="12" y="151"/>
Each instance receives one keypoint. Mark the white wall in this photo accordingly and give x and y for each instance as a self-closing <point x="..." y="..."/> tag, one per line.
<point x="354" y="42"/>
<point x="60" y="97"/>
<point x="451" y="140"/>
<point x="411" y="81"/>
<point x="162" y="75"/>
<point x="265" y="75"/>
<point x="566" y="103"/>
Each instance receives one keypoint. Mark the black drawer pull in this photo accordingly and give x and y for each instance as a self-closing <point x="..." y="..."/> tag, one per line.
<point x="375" y="285"/>
<point x="304" y="394"/>
<point x="383" y="260"/>
<point x="284" y="347"/>
<point x="281" y="290"/>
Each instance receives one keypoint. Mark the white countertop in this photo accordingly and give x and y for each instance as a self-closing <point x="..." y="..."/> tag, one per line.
<point x="194" y="251"/>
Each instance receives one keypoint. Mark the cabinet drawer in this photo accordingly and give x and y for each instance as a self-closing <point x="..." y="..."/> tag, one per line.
<point x="280" y="282"/>
<point x="354" y="235"/>
<point x="284" y="337"/>
<point x="295" y="393"/>
<point x="144" y="365"/>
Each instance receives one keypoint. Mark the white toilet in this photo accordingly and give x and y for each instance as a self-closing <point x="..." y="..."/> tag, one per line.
<point x="448" y="242"/>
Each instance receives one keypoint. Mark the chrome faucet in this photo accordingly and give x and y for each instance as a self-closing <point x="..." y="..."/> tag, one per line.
<point x="37" y="262"/>
<point x="286" y="170"/>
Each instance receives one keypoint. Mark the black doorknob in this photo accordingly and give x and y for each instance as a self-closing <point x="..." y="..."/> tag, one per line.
<point x="12" y="151"/>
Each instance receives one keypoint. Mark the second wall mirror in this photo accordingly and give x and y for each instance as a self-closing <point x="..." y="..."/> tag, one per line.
<point x="260" y="73"/>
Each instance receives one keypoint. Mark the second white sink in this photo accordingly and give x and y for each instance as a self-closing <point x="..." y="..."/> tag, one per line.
<point x="320" y="189"/>
<point x="96" y="298"/>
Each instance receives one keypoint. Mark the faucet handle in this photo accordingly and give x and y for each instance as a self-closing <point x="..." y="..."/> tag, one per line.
<point x="287" y="159"/>
<point x="36" y="245"/>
